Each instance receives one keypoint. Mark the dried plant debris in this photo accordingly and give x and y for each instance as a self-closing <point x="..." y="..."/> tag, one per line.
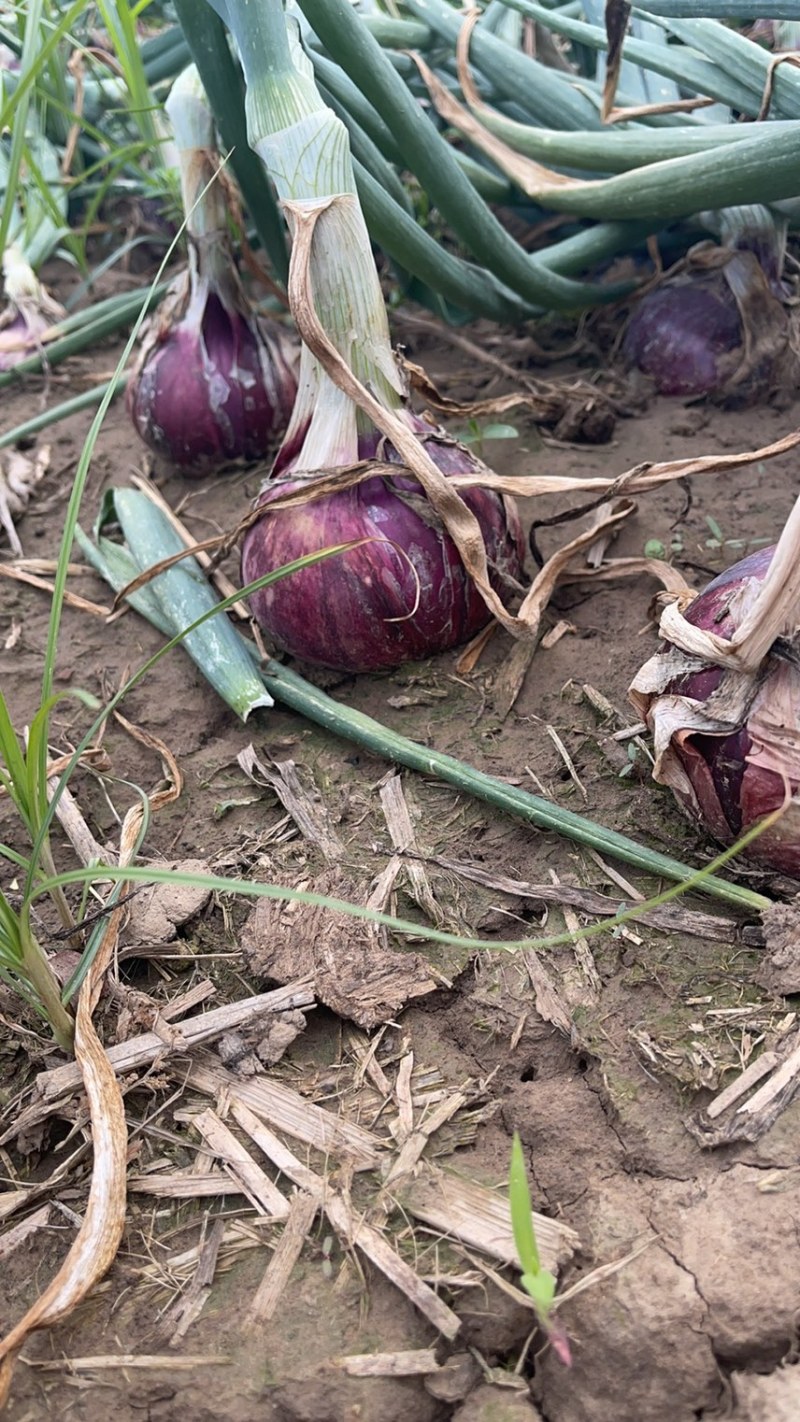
<point x="735" y="1114"/>
<point x="19" y="476"/>
<point x="352" y="972"/>
<point x="301" y="800"/>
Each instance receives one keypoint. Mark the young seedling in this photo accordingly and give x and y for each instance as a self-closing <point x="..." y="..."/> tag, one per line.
<point x="538" y="1283"/>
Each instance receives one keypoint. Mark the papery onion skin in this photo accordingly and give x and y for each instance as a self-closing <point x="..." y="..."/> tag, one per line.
<point x="21" y="335"/>
<point x="337" y="613"/>
<point x="212" y="385"/>
<point x="737" y="779"/>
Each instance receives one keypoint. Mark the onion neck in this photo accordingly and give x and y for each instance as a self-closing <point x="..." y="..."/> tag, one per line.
<point x="306" y="150"/>
<point x="753" y="228"/>
<point x="771" y="612"/>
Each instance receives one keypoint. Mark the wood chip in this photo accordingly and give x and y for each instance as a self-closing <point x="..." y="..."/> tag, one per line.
<point x="302" y="1209"/>
<point x="419" y="1361"/>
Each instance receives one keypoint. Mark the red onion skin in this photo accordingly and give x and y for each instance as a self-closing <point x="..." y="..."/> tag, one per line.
<point x="734" y="793"/>
<point x="212" y="390"/>
<point x="338" y="613"/>
<point x="681" y="336"/>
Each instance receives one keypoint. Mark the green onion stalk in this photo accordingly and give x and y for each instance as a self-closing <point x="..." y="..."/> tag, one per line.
<point x="215" y="380"/>
<point x="436" y="565"/>
<point x="37" y="223"/>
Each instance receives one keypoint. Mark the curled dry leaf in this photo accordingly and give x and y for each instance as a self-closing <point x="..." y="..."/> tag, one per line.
<point x="19" y="475"/>
<point x="97" y="1241"/>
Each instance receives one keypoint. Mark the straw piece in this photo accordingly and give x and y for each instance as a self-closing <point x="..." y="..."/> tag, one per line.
<point x="482" y="1219"/>
<point x="141" y="1051"/>
<point x="668" y="918"/>
<point x="401" y="830"/>
<point x="510" y="677"/>
<point x="241" y="1167"/>
<point x="195" y="1297"/>
<point x="69" y="816"/>
<point x="352" y="1229"/>
<point x="389" y="1365"/>
<point x="758" y="1069"/>
<point x="13" y="1200"/>
<point x="287" y="1111"/>
<point x="303" y="803"/>
<point x="119" y="1361"/>
<point x="302" y="1209"/>
<point x="183" y="1185"/>
<point x="548" y="1001"/>
<point x="18" y="1233"/>
<point x="415" y="1143"/>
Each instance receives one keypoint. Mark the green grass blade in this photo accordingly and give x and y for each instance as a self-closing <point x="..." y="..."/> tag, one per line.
<point x="16" y="766"/>
<point x="86" y="401"/>
<point x="19" y="104"/>
<point x="519" y="1199"/>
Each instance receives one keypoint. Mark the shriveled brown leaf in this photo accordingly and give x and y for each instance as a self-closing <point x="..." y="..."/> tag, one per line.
<point x="514" y="670"/>
<point x="617" y="15"/>
<point x="97" y="1241"/>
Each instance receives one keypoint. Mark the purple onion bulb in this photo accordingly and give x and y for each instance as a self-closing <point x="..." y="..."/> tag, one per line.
<point x="213" y="384"/>
<point x="368" y="609"/>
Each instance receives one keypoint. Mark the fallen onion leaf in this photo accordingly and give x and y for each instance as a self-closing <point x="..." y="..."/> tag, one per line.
<point x="722" y="700"/>
<point x="215" y="381"/>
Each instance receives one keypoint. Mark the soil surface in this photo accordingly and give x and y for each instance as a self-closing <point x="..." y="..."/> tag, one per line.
<point x="658" y="1021"/>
